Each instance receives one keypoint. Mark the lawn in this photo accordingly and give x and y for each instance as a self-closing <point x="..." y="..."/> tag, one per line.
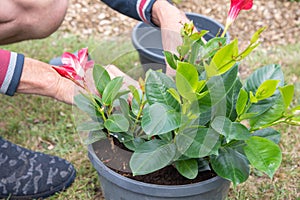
<point x="46" y="125"/>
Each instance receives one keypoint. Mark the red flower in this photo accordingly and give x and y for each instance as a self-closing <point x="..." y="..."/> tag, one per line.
<point x="235" y="7"/>
<point x="74" y="67"/>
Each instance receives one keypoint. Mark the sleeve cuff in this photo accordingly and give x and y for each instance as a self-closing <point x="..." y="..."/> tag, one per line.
<point x="13" y="78"/>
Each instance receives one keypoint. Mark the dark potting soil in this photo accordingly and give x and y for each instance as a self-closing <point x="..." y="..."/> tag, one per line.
<point x="116" y="157"/>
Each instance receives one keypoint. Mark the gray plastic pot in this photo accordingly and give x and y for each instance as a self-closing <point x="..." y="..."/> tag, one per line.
<point x="147" y="40"/>
<point x="117" y="187"/>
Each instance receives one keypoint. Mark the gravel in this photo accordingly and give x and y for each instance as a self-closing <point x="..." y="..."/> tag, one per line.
<point x="87" y="18"/>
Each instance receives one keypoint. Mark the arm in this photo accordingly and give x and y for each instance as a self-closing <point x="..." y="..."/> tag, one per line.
<point x="21" y="19"/>
<point x="156" y="12"/>
<point x="25" y="75"/>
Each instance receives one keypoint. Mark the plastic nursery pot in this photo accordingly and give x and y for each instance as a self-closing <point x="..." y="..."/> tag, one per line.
<point x="117" y="187"/>
<point x="147" y="40"/>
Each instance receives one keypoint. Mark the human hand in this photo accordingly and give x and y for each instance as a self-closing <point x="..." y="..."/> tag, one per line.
<point x="41" y="79"/>
<point x="170" y="20"/>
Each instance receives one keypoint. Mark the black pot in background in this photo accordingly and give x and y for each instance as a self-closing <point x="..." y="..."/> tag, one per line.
<point x="147" y="40"/>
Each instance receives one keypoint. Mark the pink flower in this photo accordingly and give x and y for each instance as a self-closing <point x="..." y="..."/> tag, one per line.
<point x="74" y="67"/>
<point x="235" y="7"/>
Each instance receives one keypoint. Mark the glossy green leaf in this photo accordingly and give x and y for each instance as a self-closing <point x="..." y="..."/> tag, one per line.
<point x="223" y="60"/>
<point x="170" y="59"/>
<point x="266" y="89"/>
<point x="275" y="112"/>
<point x="256" y="35"/>
<point x="253" y="99"/>
<point x="187" y="168"/>
<point x="101" y="78"/>
<point x="287" y="93"/>
<point x="196" y="142"/>
<point x="241" y="102"/>
<point x="175" y="94"/>
<point x="85" y="105"/>
<point x="95" y="136"/>
<point x="231" y="165"/>
<point x="151" y="156"/>
<point x="232" y="98"/>
<point x="262" y="74"/>
<point x="273" y="72"/>
<point x="159" y="119"/>
<point x="212" y="46"/>
<point x="157" y="86"/>
<point x="135" y="93"/>
<point x="90" y="126"/>
<point x="263" y="154"/>
<point x="187" y="80"/>
<point x="268" y="133"/>
<point x="231" y="130"/>
<point x="117" y="123"/>
<point x="111" y="90"/>
<point x="198" y="35"/>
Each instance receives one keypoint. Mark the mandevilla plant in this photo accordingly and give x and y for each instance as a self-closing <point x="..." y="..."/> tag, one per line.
<point x="205" y="117"/>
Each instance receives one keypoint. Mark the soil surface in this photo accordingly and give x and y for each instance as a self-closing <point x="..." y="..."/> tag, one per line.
<point x="282" y="17"/>
<point x="115" y="156"/>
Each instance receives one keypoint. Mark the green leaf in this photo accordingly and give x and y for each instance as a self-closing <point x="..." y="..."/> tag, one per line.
<point x="116" y="123"/>
<point x="157" y="86"/>
<point x="241" y="102"/>
<point x="90" y="126"/>
<point x="275" y="112"/>
<point x="266" y="89"/>
<point x="95" y="136"/>
<point x="170" y="59"/>
<point x="256" y="35"/>
<point x="263" y="154"/>
<point x="175" y="94"/>
<point x="211" y="47"/>
<point x="223" y="60"/>
<point x="287" y="93"/>
<point x="85" y="105"/>
<point x="231" y="130"/>
<point x="124" y="108"/>
<point x="187" y="80"/>
<point x="268" y="133"/>
<point x="253" y="99"/>
<point x="151" y="156"/>
<point x="135" y="93"/>
<point x="111" y="90"/>
<point x="196" y="142"/>
<point x="231" y="165"/>
<point x="187" y="168"/>
<point x="133" y="144"/>
<point x="198" y="35"/>
<point x="101" y="78"/>
<point x="159" y="119"/>
<point x="262" y="74"/>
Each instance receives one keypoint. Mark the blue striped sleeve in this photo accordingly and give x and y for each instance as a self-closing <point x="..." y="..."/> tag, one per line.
<point x="137" y="9"/>
<point x="14" y="82"/>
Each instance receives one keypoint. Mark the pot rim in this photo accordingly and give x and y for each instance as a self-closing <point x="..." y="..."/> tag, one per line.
<point x="153" y="189"/>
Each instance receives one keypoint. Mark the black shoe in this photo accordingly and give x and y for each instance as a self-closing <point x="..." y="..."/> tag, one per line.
<point x="25" y="174"/>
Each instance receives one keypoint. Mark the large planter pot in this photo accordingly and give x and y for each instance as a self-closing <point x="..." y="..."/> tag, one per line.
<point x="117" y="187"/>
<point x="147" y="40"/>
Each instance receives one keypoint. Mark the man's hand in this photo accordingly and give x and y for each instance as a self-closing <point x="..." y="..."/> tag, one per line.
<point x="41" y="79"/>
<point x="170" y="19"/>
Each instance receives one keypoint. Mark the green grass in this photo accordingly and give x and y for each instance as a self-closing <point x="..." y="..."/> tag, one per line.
<point x="43" y="124"/>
